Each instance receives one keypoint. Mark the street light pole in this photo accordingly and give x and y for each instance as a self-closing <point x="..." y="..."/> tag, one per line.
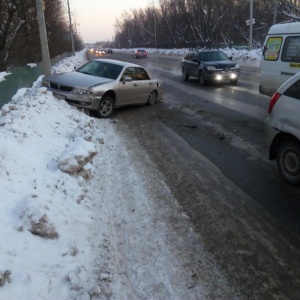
<point x="251" y="24"/>
<point x="43" y="37"/>
<point x="71" y="30"/>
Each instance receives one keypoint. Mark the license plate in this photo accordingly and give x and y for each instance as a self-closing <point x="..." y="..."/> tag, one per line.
<point x="60" y="97"/>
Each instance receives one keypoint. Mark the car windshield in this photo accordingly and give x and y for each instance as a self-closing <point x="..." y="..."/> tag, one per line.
<point x="212" y="56"/>
<point x="101" y="69"/>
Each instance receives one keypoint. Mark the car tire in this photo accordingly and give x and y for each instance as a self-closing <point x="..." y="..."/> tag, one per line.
<point x="106" y="107"/>
<point x="288" y="161"/>
<point x="184" y="76"/>
<point x="202" y="79"/>
<point x="235" y="81"/>
<point x="152" y="98"/>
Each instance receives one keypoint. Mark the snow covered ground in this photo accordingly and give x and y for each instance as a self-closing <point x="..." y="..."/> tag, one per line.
<point x="65" y="181"/>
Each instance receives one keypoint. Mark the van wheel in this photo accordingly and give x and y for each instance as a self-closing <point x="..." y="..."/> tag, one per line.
<point x="202" y="79"/>
<point x="288" y="161"/>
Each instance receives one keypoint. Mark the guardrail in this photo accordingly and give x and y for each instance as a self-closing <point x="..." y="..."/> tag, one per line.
<point x="21" y="78"/>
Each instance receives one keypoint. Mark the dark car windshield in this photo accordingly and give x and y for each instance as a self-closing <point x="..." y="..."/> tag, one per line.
<point x="212" y="56"/>
<point x="101" y="69"/>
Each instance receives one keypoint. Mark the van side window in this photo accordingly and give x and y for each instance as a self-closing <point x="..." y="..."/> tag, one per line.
<point x="291" y="49"/>
<point x="294" y="90"/>
<point x="271" y="52"/>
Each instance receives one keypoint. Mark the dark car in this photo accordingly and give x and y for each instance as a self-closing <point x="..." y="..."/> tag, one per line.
<point x="109" y="51"/>
<point x="209" y="66"/>
<point x="140" y="53"/>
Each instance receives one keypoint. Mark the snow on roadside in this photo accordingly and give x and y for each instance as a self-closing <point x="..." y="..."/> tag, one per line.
<point x="45" y="212"/>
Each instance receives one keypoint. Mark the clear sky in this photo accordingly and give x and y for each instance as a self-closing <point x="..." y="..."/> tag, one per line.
<point x="95" y="19"/>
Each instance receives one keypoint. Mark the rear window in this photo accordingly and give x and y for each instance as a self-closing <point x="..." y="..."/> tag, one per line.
<point x="294" y="90"/>
<point x="291" y="49"/>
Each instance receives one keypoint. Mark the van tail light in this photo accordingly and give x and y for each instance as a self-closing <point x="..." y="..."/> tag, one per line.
<point x="273" y="101"/>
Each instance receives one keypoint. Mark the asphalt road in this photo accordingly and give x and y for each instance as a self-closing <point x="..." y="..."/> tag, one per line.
<point x="208" y="142"/>
<point x="229" y="121"/>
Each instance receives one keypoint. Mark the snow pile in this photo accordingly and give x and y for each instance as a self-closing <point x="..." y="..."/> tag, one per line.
<point x="2" y="75"/>
<point x="45" y="155"/>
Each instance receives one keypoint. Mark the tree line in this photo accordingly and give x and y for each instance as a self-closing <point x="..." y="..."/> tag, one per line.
<point x="196" y="23"/>
<point x="19" y="32"/>
<point x="168" y="24"/>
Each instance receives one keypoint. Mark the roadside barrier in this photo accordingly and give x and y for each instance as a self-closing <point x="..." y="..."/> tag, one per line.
<point x="21" y="78"/>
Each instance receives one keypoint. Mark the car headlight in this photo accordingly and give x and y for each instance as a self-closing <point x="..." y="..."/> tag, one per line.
<point x="45" y="83"/>
<point x="210" y="68"/>
<point x="82" y="92"/>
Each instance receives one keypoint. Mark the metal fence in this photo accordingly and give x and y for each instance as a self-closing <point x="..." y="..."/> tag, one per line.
<point x="22" y="78"/>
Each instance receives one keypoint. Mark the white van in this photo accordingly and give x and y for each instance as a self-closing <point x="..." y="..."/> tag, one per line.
<point x="281" y="57"/>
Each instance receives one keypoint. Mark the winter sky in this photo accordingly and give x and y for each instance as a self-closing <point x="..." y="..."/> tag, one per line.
<point x="95" y="19"/>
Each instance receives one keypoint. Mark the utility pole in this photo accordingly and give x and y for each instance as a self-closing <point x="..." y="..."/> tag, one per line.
<point x="71" y="30"/>
<point x="275" y="11"/>
<point x="251" y="24"/>
<point x="154" y="32"/>
<point x="40" y="7"/>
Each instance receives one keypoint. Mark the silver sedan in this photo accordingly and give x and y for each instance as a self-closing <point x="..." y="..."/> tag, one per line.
<point x="103" y="84"/>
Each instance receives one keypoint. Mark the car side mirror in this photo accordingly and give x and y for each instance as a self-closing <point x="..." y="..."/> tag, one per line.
<point x="127" y="79"/>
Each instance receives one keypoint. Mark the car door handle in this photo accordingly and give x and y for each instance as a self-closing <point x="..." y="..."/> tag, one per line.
<point x="135" y="84"/>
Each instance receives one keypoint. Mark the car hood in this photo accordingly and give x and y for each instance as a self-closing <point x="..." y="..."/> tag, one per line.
<point x="77" y="79"/>
<point x="221" y="64"/>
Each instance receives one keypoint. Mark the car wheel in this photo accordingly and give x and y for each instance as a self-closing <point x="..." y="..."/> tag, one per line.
<point x="152" y="98"/>
<point x="288" y="161"/>
<point x="106" y="107"/>
<point x="185" y="77"/>
<point x="234" y="81"/>
<point x="202" y="79"/>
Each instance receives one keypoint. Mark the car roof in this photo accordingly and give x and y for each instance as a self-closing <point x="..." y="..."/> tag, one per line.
<point x="209" y="50"/>
<point x="204" y="50"/>
<point x="118" y="62"/>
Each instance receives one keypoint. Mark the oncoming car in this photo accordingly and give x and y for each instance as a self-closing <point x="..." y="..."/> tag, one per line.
<point x="209" y="66"/>
<point x="140" y="53"/>
<point x="282" y="129"/>
<point x="103" y="84"/>
<point x="100" y="52"/>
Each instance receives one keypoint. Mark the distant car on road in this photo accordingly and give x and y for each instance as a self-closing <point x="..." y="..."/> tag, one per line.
<point x="282" y="129"/>
<point x="100" y="52"/>
<point x="209" y="66"/>
<point x="103" y="84"/>
<point x="140" y="53"/>
<point x="109" y="51"/>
